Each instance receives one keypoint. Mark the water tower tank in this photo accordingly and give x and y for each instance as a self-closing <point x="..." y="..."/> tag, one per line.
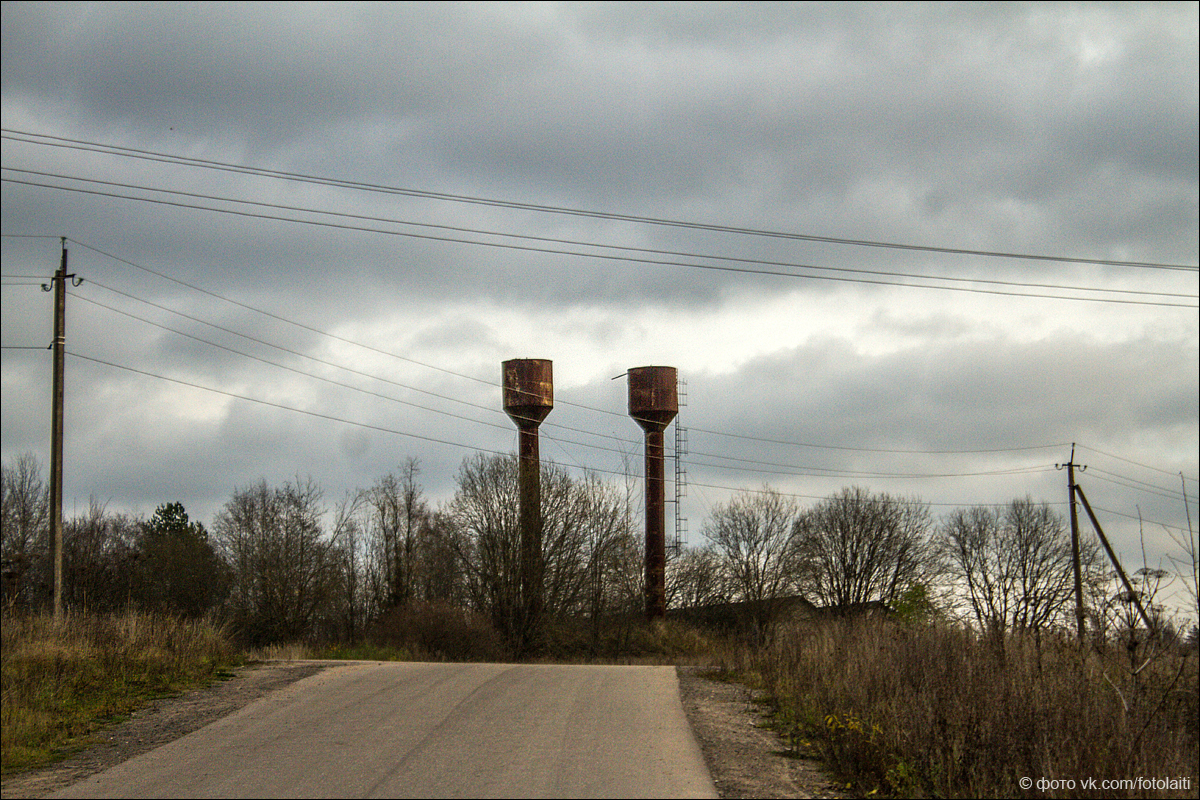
<point x="653" y="398"/>
<point x="528" y="390"/>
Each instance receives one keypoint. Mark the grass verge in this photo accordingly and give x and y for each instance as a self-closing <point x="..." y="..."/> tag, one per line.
<point x="64" y="679"/>
<point x="935" y="711"/>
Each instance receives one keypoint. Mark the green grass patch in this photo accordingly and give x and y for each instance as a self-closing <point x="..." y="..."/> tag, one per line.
<point x="66" y="679"/>
<point x="365" y="651"/>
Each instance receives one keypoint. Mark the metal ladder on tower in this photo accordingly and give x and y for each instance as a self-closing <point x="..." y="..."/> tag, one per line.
<point x="681" y="450"/>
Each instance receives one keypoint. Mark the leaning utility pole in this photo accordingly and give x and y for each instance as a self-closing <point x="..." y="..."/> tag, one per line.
<point x="59" y="286"/>
<point x="1131" y="593"/>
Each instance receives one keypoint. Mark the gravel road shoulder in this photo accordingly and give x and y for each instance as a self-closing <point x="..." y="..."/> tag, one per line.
<point x="160" y="722"/>
<point x="743" y="757"/>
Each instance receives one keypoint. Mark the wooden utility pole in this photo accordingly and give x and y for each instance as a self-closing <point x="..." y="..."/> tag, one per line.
<point x="58" y="284"/>
<point x="1079" y="612"/>
<point x="1133" y="595"/>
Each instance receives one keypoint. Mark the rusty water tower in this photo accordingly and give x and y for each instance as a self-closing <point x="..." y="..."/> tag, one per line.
<point x="653" y="403"/>
<point x="528" y="398"/>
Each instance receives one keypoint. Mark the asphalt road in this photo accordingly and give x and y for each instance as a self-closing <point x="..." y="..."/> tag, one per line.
<point x="367" y="729"/>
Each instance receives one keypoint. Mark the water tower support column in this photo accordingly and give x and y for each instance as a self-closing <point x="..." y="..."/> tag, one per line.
<point x="653" y="403"/>
<point x="528" y="399"/>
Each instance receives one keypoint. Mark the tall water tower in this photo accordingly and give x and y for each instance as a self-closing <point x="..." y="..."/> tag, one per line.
<point x="653" y="403"/>
<point x="528" y="398"/>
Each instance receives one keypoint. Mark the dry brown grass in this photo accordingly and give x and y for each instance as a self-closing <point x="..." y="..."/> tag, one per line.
<point x="64" y="678"/>
<point x="925" y="710"/>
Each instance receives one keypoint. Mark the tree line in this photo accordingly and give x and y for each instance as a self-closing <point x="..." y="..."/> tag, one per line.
<point x="281" y="564"/>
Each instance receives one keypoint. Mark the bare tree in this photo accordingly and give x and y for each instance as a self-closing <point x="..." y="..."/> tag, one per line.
<point x="351" y="554"/>
<point x="487" y="538"/>
<point x="1014" y="564"/>
<point x="586" y="540"/>
<point x="25" y="523"/>
<point x="696" y="578"/>
<point x="754" y="535"/>
<point x="397" y="511"/>
<point x="99" y="559"/>
<point x="1187" y="564"/>
<point x="587" y="531"/>
<point x="856" y="547"/>
<point x="440" y="578"/>
<point x="283" y="565"/>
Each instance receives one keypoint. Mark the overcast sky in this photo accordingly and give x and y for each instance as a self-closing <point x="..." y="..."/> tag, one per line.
<point x="610" y="186"/>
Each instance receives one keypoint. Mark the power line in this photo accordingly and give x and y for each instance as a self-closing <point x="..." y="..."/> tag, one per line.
<point x="876" y="450"/>
<point x="299" y="371"/>
<point x="830" y="472"/>
<point x="289" y="351"/>
<point x="283" y="407"/>
<point x="598" y="245"/>
<point x="1142" y="519"/>
<point x="1136" y="485"/>
<point x="607" y="257"/>
<point x="264" y="343"/>
<point x="277" y="317"/>
<point x="1135" y="463"/>
<point x="317" y="331"/>
<point x="79" y="144"/>
<point x="311" y="329"/>
<point x="314" y="330"/>
<point x="382" y="429"/>
<point x="789" y="470"/>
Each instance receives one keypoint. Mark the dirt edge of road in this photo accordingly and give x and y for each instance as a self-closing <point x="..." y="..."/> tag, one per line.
<point x="743" y="757"/>
<point x="160" y="722"/>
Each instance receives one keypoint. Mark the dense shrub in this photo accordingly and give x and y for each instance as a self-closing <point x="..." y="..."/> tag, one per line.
<point x="439" y="631"/>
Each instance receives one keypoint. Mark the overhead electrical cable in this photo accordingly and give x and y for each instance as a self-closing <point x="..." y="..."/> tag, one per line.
<point x="1136" y="486"/>
<point x="277" y="317"/>
<point x="293" y="369"/>
<point x="876" y="449"/>
<point x="790" y="470"/>
<point x="275" y="346"/>
<point x="1146" y="485"/>
<point x="1135" y="463"/>
<point x="609" y="257"/>
<point x="324" y="362"/>
<point x="317" y="331"/>
<point x="494" y="384"/>
<point x="1163" y="525"/>
<point x="283" y="407"/>
<point x="810" y="470"/>
<point x="603" y="246"/>
<point x="435" y="440"/>
<point x="57" y="141"/>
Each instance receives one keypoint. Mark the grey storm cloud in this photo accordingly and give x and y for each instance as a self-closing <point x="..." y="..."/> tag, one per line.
<point x="540" y="151"/>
